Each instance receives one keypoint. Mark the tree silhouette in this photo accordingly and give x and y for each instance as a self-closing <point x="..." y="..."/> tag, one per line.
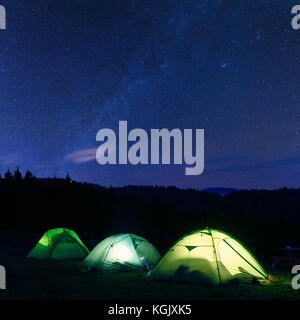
<point x="28" y="175"/>
<point x="254" y="217"/>
<point x="68" y="179"/>
<point x="18" y="175"/>
<point x="8" y="175"/>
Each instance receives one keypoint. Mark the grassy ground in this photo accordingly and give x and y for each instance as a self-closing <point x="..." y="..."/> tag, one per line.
<point x="67" y="280"/>
<point x="40" y="279"/>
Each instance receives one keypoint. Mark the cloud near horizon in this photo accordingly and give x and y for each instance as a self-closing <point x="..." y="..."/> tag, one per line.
<point x="9" y="159"/>
<point x="82" y="156"/>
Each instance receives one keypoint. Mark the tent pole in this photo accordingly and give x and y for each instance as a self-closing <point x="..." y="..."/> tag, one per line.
<point x="212" y="238"/>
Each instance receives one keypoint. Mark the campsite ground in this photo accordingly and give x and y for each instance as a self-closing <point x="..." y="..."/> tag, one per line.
<point x="48" y="280"/>
<point x="40" y="279"/>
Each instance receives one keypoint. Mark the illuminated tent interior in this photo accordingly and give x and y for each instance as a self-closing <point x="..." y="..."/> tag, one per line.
<point x="208" y="256"/>
<point x="59" y="243"/>
<point x="123" y="252"/>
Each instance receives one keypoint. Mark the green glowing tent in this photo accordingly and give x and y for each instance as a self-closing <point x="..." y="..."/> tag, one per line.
<point x="59" y="243"/>
<point x="122" y="252"/>
<point x="208" y="256"/>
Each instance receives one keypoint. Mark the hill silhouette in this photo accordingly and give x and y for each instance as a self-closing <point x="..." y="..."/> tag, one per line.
<point x="222" y="191"/>
<point x="264" y="220"/>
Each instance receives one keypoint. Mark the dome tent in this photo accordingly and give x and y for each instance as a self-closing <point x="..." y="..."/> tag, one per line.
<point x="59" y="243"/>
<point x="208" y="256"/>
<point x="122" y="252"/>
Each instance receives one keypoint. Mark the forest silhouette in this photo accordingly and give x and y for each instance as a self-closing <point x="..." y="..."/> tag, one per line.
<point x="263" y="220"/>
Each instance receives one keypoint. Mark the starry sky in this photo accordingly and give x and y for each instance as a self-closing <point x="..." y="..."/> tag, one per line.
<point x="230" y="67"/>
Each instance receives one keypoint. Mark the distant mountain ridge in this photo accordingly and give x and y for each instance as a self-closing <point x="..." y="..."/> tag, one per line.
<point x="218" y="190"/>
<point x="221" y="191"/>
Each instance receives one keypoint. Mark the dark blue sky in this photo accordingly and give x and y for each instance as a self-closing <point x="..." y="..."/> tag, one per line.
<point x="231" y="67"/>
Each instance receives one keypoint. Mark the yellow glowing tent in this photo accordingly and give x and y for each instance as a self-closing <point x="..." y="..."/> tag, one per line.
<point x="208" y="256"/>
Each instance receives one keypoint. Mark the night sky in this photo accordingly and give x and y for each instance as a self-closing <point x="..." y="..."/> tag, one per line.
<point x="231" y="67"/>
